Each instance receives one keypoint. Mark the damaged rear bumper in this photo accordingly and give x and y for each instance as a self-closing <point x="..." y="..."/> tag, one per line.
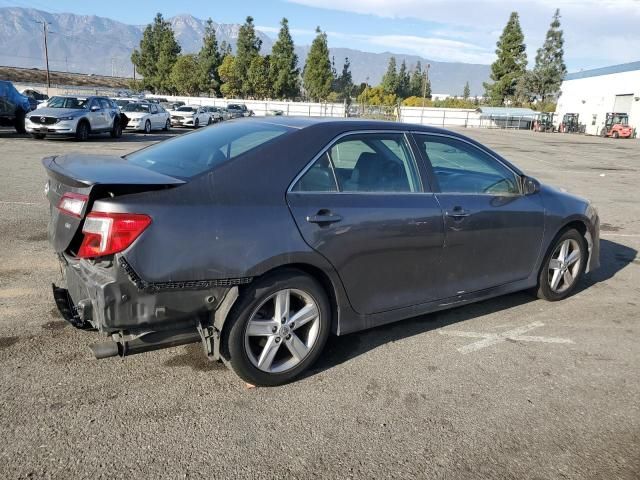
<point x="110" y="297"/>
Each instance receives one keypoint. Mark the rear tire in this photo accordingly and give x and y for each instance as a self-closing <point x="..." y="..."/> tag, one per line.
<point x="257" y="305"/>
<point x="562" y="271"/>
<point x="19" y="121"/>
<point x="82" y="131"/>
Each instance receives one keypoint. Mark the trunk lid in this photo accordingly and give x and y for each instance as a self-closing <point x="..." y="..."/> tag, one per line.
<point x="95" y="176"/>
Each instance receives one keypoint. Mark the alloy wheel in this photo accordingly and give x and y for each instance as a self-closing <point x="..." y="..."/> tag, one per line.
<point x="564" y="265"/>
<point x="282" y="331"/>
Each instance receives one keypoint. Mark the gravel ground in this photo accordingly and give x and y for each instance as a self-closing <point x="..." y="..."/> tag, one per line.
<point x="405" y="400"/>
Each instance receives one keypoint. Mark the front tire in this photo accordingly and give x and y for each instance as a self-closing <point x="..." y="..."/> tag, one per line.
<point x="82" y="131"/>
<point x="19" y="121"/>
<point x="116" y="131"/>
<point x="280" y="326"/>
<point x="196" y="124"/>
<point x="563" y="266"/>
<point x="147" y="127"/>
<point x="167" y="126"/>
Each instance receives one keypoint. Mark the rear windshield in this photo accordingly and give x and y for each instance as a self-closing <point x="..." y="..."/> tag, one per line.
<point x="189" y="155"/>
<point x="136" y="107"/>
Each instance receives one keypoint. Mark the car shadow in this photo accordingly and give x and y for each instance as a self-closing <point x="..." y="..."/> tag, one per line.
<point x="613" y="258"/>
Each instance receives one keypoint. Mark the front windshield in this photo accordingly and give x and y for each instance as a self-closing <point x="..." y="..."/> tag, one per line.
<point x="136" y="107"/>
<point x="189" y="155"/>
<point x="186" y="109"/>
<point x="68" y="102"/>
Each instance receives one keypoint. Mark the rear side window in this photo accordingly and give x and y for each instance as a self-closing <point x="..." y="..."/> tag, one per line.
<point x="367" y="163"/>
<point x="189" y="155"/>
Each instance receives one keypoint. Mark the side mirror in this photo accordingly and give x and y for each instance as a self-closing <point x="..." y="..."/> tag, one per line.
<point x="530" y="185"/>
<point x="95" y="108"/>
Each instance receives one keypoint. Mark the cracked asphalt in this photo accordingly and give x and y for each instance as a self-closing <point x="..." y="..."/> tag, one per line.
<point x="408" y="400"/>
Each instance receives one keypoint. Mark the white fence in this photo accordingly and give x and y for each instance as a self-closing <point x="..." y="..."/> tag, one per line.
<point x="263" y="107"/>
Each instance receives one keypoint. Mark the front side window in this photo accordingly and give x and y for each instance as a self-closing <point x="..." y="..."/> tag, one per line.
<point x="104" y="103"/>
<point x="460" y="167"/>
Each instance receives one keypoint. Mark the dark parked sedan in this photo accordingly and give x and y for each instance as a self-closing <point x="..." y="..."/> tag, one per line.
<point x="261" y="238"/>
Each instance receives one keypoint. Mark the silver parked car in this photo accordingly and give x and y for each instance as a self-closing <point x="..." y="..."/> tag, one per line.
<point x="75" y="116"/>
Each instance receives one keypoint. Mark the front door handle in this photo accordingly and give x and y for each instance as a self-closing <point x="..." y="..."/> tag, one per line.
<point x="324" y="217"/>
<point x="458" y="213"/>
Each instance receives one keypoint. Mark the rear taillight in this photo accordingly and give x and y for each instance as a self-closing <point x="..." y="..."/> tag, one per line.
<point x="109" y="233"/>
<point x="73" y="204"/>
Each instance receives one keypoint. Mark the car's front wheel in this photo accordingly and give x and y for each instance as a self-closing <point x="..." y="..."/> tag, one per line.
<point x="147" y="127"/>
<point x="280" y="326"/>
<point x="167" y="126"/>
<point x="563" y="266"/>
<point x="82" y="131"/>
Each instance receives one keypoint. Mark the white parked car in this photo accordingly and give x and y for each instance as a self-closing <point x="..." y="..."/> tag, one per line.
<point x="146" y="117"/>
<point x="190" y="116"/>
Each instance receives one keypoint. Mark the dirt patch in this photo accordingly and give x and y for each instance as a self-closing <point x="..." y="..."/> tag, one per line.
<point x="193" y="357"/>
<point x="35" y="75"/>
<point x="6" y="342"/>
<point x="55" y="325"/>
<point x="38" y="237"/>
<point x="607" y="227"/>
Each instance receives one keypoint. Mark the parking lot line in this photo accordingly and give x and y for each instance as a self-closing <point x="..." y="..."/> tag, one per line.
<point x="489" y="339"/>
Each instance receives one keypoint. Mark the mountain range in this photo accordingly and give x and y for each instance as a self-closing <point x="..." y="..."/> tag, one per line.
<point x="99" y="45"/>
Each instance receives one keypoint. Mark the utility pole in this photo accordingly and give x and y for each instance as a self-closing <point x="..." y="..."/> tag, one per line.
<point x="424" y="83"/>
<point x="46" y="50"/>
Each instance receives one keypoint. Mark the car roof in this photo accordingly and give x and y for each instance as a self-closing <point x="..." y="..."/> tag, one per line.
<point x="348" y="123"/>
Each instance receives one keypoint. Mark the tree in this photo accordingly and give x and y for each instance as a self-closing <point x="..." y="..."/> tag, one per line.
<point x="209" y="60"/>
<point x="258" y="77"/>
<point x="156" y="56"/>
<point x="317" y="75"/>
<point x="183" y="80"/>
<point x="377" y="96"/>
<point x="403" y="88"/>
<point x="231" y="84"/>
<point x="390" y="79"/>
<point x="247" y="48"/>
<point x="225" y="49"/>
<point x="344" y="83"/>
<point x="510" y="65"/>
<point x="466" y="93"/>
<point x="283" y="65"/>
<point x="415" y="83"/>
<point x="549" y="69"/>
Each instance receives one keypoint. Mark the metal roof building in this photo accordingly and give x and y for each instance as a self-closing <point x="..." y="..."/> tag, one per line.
<point x="507" y="117"/>
<point x="593" y="93"/>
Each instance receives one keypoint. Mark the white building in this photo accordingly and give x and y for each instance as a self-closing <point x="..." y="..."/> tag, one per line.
<point x="593" y="93"/>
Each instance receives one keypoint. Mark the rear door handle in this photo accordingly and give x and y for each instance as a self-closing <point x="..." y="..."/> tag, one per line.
<point x="322" y="217"/>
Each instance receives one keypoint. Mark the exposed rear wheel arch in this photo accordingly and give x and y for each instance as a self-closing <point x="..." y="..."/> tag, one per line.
<point x="297" y="268"/>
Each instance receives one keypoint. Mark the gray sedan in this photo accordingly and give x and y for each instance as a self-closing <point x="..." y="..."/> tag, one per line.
<point x="261" y="238"/>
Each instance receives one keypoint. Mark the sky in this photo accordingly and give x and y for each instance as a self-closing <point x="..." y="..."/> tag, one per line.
<point x="597" y="32"/>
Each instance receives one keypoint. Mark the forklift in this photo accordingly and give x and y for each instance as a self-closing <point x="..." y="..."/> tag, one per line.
<point x="570" y="124"/>
<point x="544" y="122"/>
<point x="617" y="125"/>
